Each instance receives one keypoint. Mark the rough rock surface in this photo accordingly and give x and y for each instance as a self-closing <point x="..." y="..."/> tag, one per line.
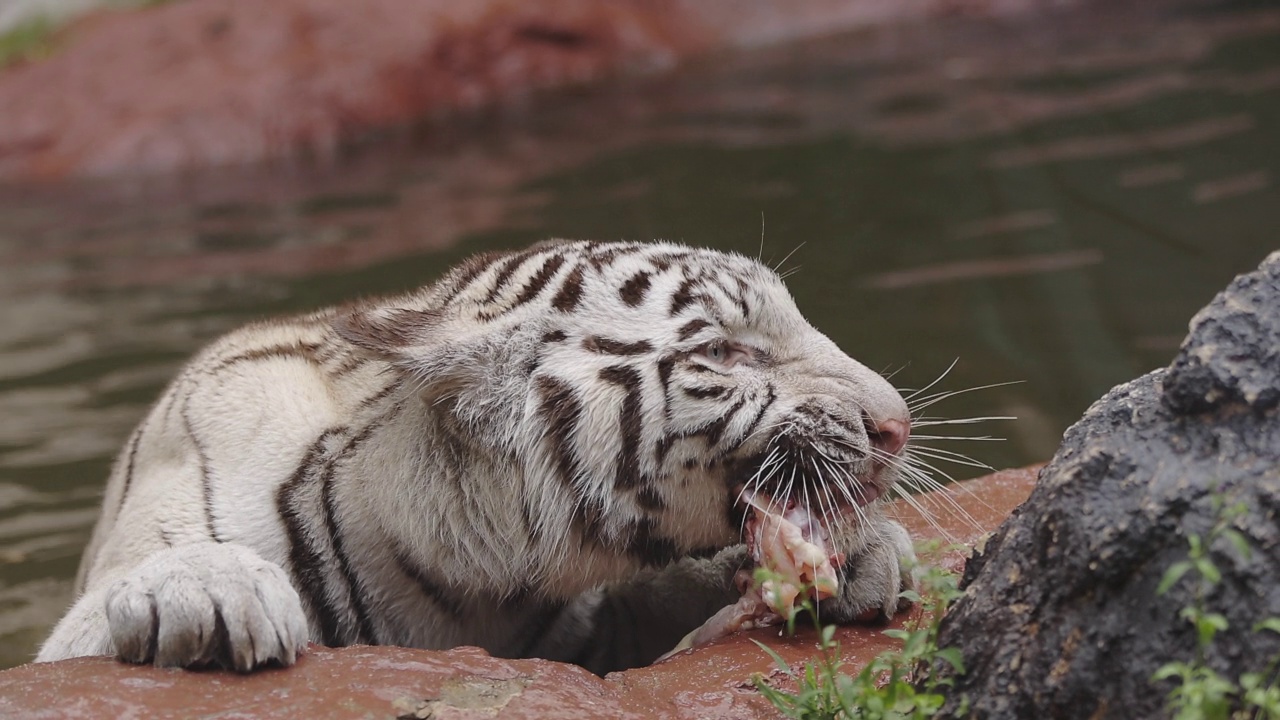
<point x="386" y="682"/>
<point x="218" y="82"/>
<point x="1061" y="618"/>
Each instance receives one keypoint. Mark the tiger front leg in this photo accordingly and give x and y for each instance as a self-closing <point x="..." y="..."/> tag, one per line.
<point x="876" y="570"/>
<point x="634" y="623"/>
<point x="193" y="605"/>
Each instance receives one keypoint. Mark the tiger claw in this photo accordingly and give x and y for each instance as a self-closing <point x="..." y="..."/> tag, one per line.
<point x="204" y="604"/>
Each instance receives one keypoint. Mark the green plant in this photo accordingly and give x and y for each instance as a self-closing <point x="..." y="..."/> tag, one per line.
<point x="898" y="683"/>
<point x="29" y="40"/>
<point x="1200" y="692"/>
<point x="37" y="37"/>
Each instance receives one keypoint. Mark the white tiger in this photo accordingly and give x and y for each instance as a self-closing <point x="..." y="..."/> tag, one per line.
<point x="540" y="454"/>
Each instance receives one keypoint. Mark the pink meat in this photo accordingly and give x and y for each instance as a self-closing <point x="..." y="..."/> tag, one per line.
<point x="793" y="544"/>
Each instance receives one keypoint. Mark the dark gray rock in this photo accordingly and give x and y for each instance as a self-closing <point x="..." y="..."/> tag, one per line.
<point x="1061" y="618"/>
<point x="1232" y="355"/>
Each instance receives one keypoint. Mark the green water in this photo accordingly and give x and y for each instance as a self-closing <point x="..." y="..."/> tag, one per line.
<point x="1045" y="201"/>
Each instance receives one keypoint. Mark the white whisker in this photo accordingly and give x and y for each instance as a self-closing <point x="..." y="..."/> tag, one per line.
<point x="924" y="422"/>
<point x="935" y="381"/>
<point x="783" y="261"/>
<point x="924" y="402"/>
<point x="949" y="456"/>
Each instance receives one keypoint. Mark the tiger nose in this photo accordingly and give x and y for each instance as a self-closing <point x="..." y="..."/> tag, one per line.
<point x="889" y="436"/>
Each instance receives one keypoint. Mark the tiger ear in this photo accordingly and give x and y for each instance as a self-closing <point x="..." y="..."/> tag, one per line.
<point x="442" y="356"/>
<point x="388" y="332"/>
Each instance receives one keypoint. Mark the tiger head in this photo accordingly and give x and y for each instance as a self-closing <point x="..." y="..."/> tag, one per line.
<point x="630" y="392"/>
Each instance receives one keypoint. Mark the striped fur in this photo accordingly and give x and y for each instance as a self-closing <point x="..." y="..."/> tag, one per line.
<point x="538" y="454"/>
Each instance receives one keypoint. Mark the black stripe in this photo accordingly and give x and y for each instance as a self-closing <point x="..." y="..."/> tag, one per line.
<point x="735" y="297"/>
<point x="609" y="346"/>
<point x="588" y="518"/>
<point x="554" y="336"/>
<point x="650" y="499"/>
<point x="380" y="395"/>
<point x="206" y="483"/>
<point x="691" y="328"/>
<point x="714" y="429"/>
<point x="635" y="288"/>
<point x="741" y="298"/>
<point x="305" y="560"/>
<point x="562" y="411"/>
<point x="683" y="297"/>
<point x="297" y="349"/>
<point x="628" y="467"/>
<point x="539" y="281"/>
<point x="350" y="365"/>
<point x="468" y="271"/>
<point x="509" y="268"/>
<point x="129" y="464"/>
<point x="663" y="261"/>
<point x="665" y="366"/>
<point x="366" y="633"/>
<point x="601" y="258"/>
<point x="430" y="587"/>
<point x="664" y="446"/>
<point x="755" y="421"/>
<point x="307" y="553"/>
<point x="706" y="369"/>
<point x="569" y="295"/>
<point x="170" y="400"/>
<point x="648" y="547"/>
<point x="381" y="329"/>
<point x="710" y="431"/>
<point x="326" y="351"/>
<point x="703" y="393"/>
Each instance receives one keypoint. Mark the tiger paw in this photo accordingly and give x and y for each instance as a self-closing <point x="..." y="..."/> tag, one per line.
<point x="205" y="604"/>
<point x="872" y="580"/>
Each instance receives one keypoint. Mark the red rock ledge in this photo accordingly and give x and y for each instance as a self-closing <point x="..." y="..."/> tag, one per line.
<point x="387" y="682"/>
<point x="200" y="83"/>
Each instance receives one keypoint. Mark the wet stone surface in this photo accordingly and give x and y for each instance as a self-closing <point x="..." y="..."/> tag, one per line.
<point x="389" y="682"/>
<point x="1062" y="617"/>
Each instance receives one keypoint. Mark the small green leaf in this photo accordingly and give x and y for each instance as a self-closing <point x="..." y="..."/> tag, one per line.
<point x="1216" y="620"/>
<point x="953" y="657"/>
<point x="1239" y="541"/>
<point x="828" y="632"/>
<point x="1208" y="570"/>
<point x="777" y="659"/>
<point x="1169" y="670"/>
<point x="1271" y="623"/>
<point x="1195" y="544"/>
<point x="1172" y="576"/>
